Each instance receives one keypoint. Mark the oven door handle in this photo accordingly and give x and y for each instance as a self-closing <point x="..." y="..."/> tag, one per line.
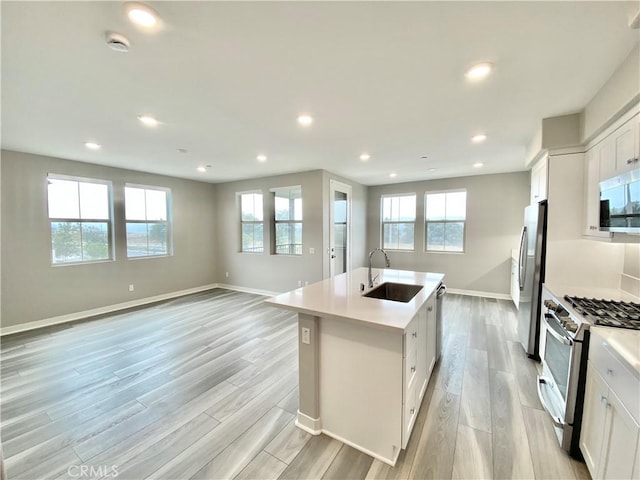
<point x="551" y="330"/>
<point x="557" y="421"/>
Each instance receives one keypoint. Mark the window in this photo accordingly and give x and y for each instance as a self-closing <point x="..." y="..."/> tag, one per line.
<point x="79" y="219"/>
<point x="398" y="221"/>
<point x="445" y="215"/>
<point x="251" y="220"/>
<point x="288" y="220"/>
<point x="147" y="212"/>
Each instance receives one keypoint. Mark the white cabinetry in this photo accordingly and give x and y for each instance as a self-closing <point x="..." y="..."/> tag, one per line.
<point x="539" y="181"/>
<point x="620" y="151"/>
<point x="616" y="153"/>
<point x="592" y="192"/>
<point x="372" y="380"/>
<point x="610" y="431"/>
<point x="515" y="283"/>
<point x="419" y="359"/>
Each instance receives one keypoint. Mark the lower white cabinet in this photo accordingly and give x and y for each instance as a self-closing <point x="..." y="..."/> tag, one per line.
<point x="372" y="380"/>
<point x="515" y="283"/>
<point x="610" y="431"/>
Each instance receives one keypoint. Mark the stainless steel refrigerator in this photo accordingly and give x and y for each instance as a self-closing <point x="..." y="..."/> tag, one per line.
<point x="531" y="275"/>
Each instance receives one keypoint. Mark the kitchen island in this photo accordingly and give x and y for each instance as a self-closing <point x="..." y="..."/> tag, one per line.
<point x="364" y="363"/>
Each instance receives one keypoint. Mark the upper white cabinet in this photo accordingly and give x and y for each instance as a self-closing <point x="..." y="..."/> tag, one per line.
<point x="616" y="153"/>
<point x="620" y="151"/>
<point x="539" y="180"/>
<point x="592" y="193"/>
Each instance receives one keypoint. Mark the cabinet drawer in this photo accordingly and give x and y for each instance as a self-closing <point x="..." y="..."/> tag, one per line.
<point x="409" y="413"/>
<point x="410" y="369"/>
<point x="411" y="337"/>
<point x="619" y="379"/>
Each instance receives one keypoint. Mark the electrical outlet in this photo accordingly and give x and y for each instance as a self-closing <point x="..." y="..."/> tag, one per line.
<point x="299" y="283"/>
<point x="131" y="287"/>
<point x="306" y="282"/>
<point x="312" y="250"/>
<point x="306" y="335"/>
<point x="226" y="274"/>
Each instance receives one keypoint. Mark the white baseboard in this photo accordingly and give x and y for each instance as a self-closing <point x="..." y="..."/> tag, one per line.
<point x="476" y="293"/>
<point x="71" y="317"/>
<point x="308" y="424"/>
<point x="257" y="291"/>
<point x="391" y="462"/>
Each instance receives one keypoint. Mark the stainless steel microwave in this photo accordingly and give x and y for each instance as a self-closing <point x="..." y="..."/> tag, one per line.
<point x="620" y="203"/>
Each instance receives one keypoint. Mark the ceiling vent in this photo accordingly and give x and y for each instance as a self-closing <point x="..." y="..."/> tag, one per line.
<point x="117" y="42"/>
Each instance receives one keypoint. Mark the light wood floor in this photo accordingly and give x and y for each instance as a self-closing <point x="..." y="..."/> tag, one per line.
<point x="205" y="387"/>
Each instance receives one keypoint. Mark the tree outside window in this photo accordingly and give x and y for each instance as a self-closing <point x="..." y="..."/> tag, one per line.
<point x="445" y="216"/>
<point x="147" y="211"/>
<point x="79" y="219"/>
<point x="398" y="221"/>
<point x="288" y="220"/>
<point x="251" y="223"/>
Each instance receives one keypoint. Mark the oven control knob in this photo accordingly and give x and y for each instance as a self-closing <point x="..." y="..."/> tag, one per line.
<point x="571" y="326"/>
<point x="551" y="305"/>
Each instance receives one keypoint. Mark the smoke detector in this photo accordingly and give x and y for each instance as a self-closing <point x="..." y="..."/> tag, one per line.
<point x="117" y="42"/>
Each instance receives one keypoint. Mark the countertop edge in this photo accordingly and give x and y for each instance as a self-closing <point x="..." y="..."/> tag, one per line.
<point x="403" y="313"/>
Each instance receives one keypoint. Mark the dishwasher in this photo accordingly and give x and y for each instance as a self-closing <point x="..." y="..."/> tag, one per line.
<point x="440" y="291"/>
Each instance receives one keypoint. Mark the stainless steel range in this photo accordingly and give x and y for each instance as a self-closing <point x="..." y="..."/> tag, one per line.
<point x="564" y="344"/>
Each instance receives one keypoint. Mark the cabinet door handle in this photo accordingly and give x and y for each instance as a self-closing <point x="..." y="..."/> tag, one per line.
<point x="429" y="309"/>
<point x="413" y="369"/>
<point x="412" y="410"/>
<point x="414" y="334"/>
<point x="609" y="372"/>
<point x="632" y="160"/>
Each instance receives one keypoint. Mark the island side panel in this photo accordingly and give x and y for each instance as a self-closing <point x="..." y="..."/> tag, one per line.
<point x="308" y="376"/>
<point x="361" y="386"/>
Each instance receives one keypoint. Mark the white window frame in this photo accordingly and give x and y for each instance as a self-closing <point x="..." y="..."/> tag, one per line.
<point x="168" y="221"/>
<point x="445" y="221"/>
<point x="274" y="246"/>
<point x="239" y="196"/>
<point x="109" y="221"/>
<point x="383" y="222"/>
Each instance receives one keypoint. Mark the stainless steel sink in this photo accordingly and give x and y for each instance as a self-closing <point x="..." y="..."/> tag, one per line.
<point x="396" y="292"/>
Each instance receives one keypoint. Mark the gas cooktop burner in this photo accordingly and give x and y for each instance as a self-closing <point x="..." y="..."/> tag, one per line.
<point x="607" y="312"/>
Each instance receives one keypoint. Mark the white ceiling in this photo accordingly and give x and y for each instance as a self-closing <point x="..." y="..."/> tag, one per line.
<point x="228" y="79"/>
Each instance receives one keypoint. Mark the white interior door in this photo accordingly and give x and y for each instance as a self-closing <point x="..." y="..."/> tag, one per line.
<point x="340" y="228"/>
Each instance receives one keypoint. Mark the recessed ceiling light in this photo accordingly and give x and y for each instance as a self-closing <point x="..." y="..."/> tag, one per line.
<point x="431" y="170"/>
<point x="305" y="120"/>
<point x="479" y="71"/>
<point x="393" y="174"/>
<point x="148" y="120"/>
<point x="92" y="146"/>
<point x="364" y="157"/>
<point x="201" y="169"/>
<point x="141" y="15"/>
<point x="479" y="138"/>
<point x="477" y="164"/>
<point x="261" y="158"/>
<point x="182" y="150"/>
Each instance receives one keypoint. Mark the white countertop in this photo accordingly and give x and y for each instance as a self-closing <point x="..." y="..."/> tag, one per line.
<point x="625" y="345"/>
<point x="340" y="297"/>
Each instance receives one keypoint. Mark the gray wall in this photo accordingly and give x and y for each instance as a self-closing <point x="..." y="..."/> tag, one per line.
<point x="614" y="98"/>
<point x="279" y="273"/>
<point x="32" y="289"/>
<point x="495" y="211"/>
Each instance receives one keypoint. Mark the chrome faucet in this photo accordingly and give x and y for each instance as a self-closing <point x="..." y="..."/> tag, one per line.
<point x="386" y="257"/>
